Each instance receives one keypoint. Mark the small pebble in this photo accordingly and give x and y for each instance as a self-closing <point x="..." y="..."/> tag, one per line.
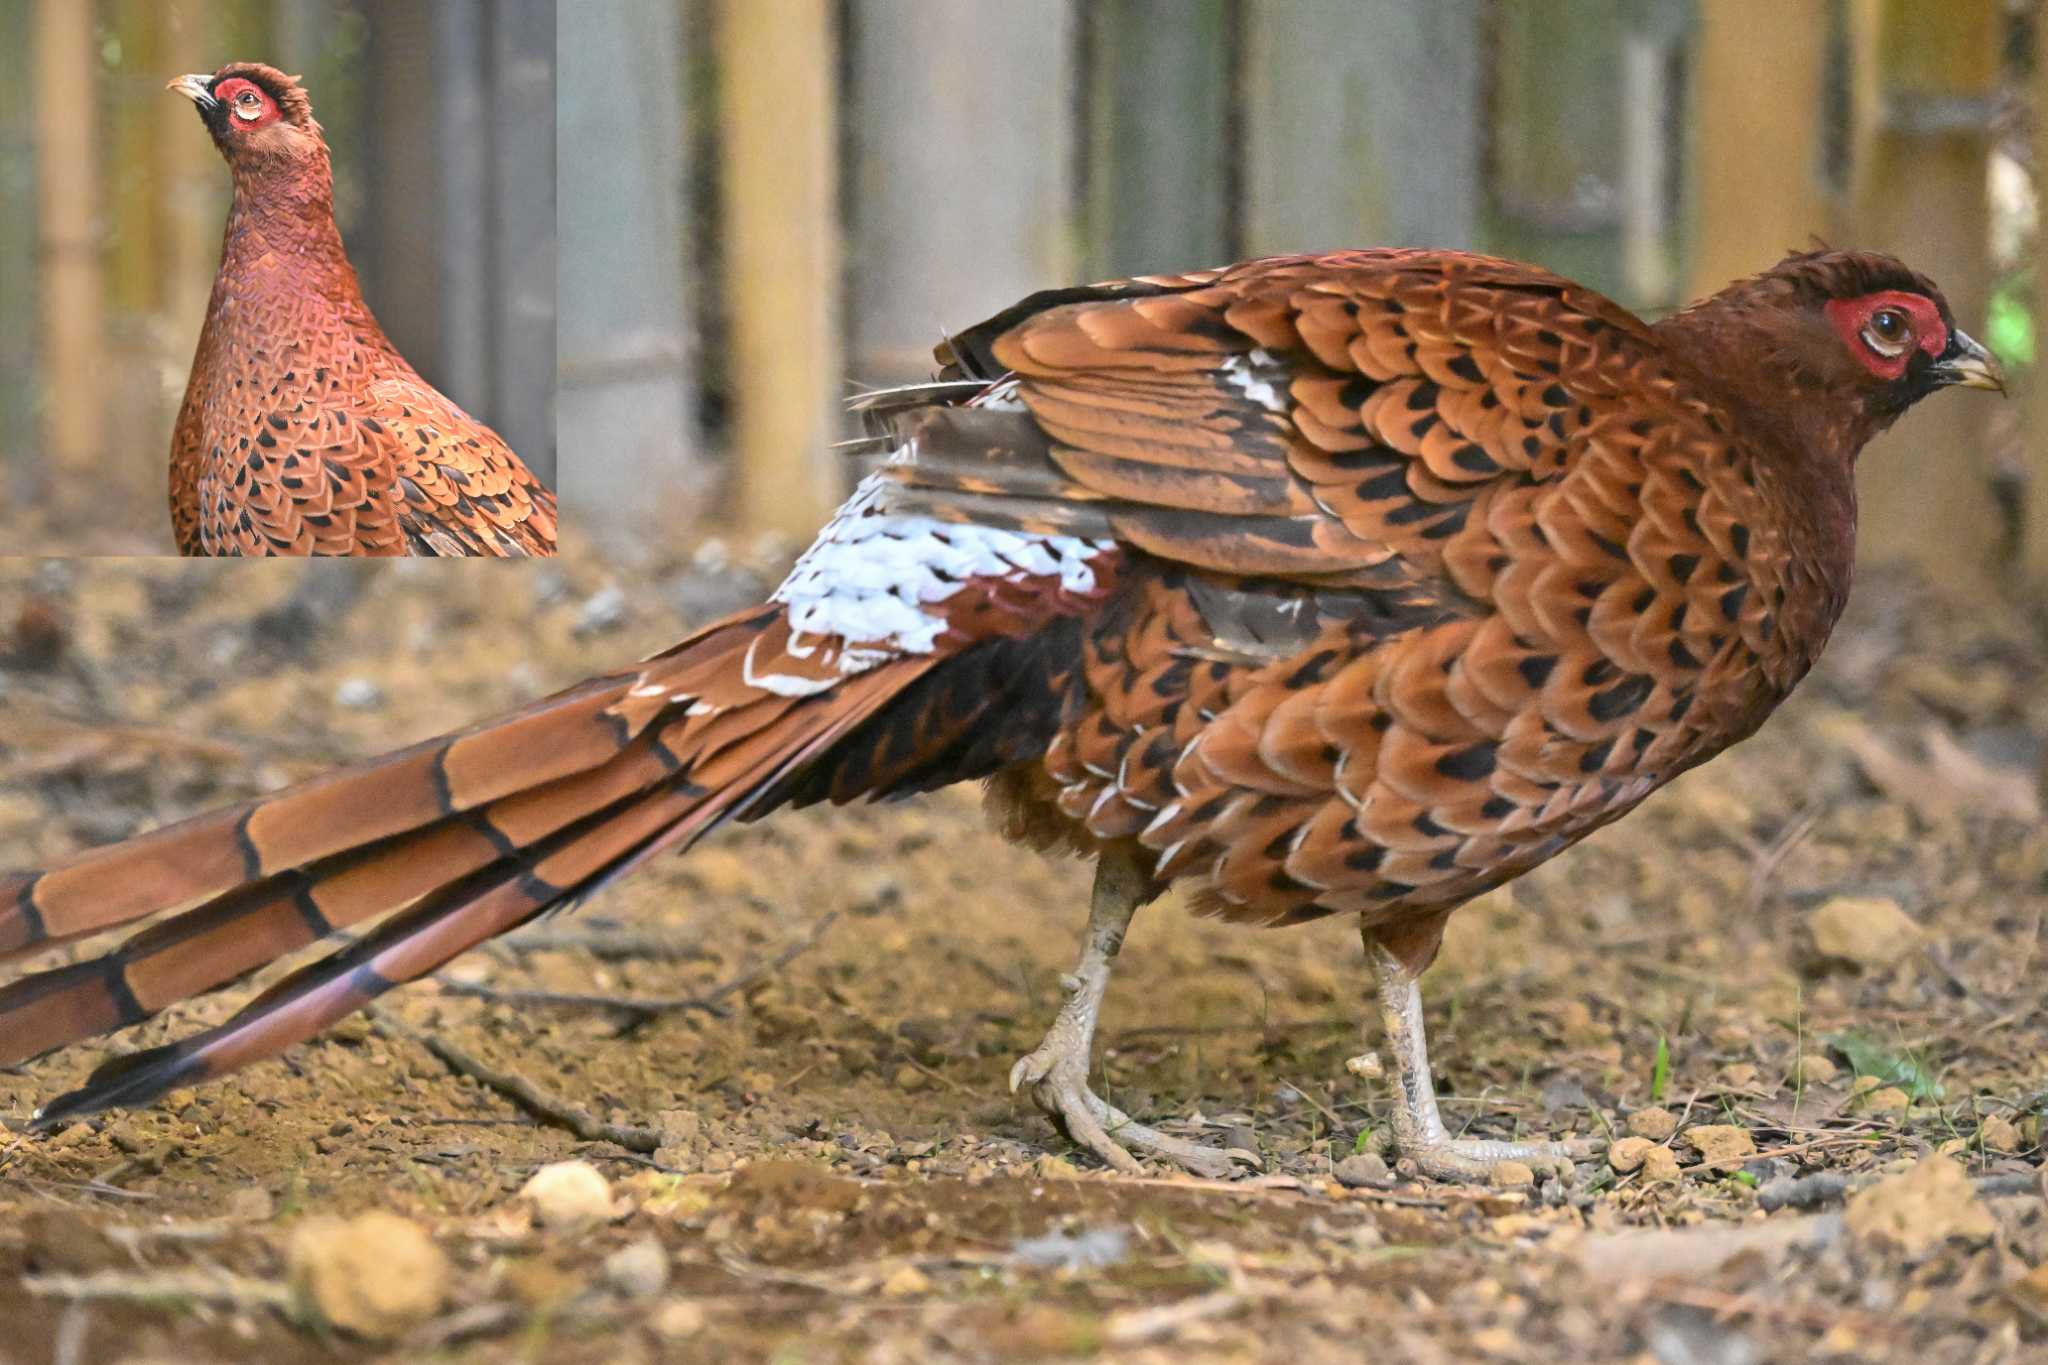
<point x="377" y="1275"/>
<point x="909" y="1077"/>
<point x="1363" y="1171"/>
<point x="1626" y="1154"/>
<point x="1886" y="1100"/>
<point x="568" y="1196"/>
<point x="603" y="611"/>
<point x="1655" y="1123"/>
<point x="1511" y="1175"/>
<point x="639" y="1270"/>
<point x="1817" y="1069"/>
<point x="676" y="1319"/>
<point x="359" y="694"/>
<point x="906" y="1282"/>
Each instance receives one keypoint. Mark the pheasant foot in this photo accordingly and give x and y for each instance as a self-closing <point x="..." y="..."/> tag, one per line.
<point x="1057" y="1069"/>
<point x="1057" y="1073"/>
<point x="1420" y="1140"/>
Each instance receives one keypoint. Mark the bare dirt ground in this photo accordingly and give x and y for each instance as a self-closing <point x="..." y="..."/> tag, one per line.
<point x="1816" y="959"/>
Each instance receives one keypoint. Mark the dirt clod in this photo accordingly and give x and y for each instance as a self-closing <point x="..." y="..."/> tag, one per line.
<point x="1627" y="1154"/>
<point x="1510" y="1175"/>
<point x="1720" y="1142"/>
<point x="1660" y="1166"/>
<point x="1997" y="1134"/>
<point x="1869" y="931"/>
<point x="1655" y="1123"/>
<point x="1364" y="1170"/>
<point x="377" y="1275"/>
<point x="251" y="1203"/>
<point x="1917" y="1211"/>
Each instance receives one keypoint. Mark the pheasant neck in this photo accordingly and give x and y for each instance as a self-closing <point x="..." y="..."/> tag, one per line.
<point x="281" y="238"/>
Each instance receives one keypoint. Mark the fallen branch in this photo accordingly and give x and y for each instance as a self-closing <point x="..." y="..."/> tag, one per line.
<point x="155" y="1286"/>
<point x="639" y="1011"/>
<point x="1139" y="1326"/>
<point x="603" y="945"/>
<point x="521" y="1091"/>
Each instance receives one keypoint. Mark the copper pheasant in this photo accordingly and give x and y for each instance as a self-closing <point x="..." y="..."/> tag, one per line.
<point x="1350" y="584"/>
<point x="304" y="431"/>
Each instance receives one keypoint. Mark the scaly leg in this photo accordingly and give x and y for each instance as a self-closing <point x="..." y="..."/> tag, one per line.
<point x="1057" y="1070"/>
<point x="1419" y="1134"/>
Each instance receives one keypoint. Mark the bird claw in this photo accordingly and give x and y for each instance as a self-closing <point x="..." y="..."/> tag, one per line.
<point x="1473" y="1161"/>
<point x="1059" y="1087"/>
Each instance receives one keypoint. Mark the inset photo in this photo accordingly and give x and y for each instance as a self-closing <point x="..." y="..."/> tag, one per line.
<point x="290" y="284"/>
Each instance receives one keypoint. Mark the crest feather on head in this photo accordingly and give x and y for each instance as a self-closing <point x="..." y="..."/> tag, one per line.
<point x="291" y="97"/>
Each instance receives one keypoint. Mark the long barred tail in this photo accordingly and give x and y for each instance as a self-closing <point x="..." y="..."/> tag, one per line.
<point x="448" y="842"/>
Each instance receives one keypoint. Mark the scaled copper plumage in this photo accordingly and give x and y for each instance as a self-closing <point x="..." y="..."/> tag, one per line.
<point x="304" y="431"/>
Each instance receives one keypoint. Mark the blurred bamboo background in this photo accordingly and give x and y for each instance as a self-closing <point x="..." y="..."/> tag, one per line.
<point x="811" y="189"/>
<point x="440" y="114"/>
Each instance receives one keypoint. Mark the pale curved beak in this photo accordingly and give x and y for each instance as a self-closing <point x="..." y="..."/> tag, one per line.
<point x="1968" y="364"/>
<point x="194" y="88"/>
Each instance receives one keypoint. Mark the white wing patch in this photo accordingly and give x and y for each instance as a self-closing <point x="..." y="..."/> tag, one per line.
<point x="876" y="581"/>
<point x="1259" y="376"/>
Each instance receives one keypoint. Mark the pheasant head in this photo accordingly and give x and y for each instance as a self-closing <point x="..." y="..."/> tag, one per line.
<point x="262" y="122"/>
<point x="1831" y="346"/>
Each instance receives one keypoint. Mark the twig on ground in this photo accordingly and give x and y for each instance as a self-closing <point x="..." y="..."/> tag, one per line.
<point x="1814" y="1316"/>
<point x="1827" y="1187"/>
<point x="154" y="1286"/>
<point x="1765" y="861"/>
<point x="1140" y="1326"/>
<point x="604" y="945"/>
<point x="521" y="1091"/>
<point x="639" y="1011"/>
<point x="1802" y="1192"/>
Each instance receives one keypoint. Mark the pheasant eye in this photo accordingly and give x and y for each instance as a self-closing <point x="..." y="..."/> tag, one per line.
<point x="248" y="106"/>
<point x="1888" y="332"/>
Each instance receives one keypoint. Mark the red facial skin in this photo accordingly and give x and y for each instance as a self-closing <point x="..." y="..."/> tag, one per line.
<point x="1849" y="316"/>
<point x="229" y="93"/>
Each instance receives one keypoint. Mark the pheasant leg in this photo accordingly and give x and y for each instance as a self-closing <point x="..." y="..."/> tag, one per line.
<point x="1419" y="1134"/>
<point x="1057" y="1070"/>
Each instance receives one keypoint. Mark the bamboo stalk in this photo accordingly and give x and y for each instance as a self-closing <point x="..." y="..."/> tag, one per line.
<point x="2034" y="424"/>
<point x="67" y="209"/>
<point x="1925" y="79"/>
<point x="777" y="102"/>
<point x="1757" y="189"/>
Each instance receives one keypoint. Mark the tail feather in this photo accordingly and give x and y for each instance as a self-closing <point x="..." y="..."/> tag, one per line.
<point x="447" y="884"/>
<point x="403" y="949"/>
<point x="210" y="854"/>
<point x="238" y="932"/>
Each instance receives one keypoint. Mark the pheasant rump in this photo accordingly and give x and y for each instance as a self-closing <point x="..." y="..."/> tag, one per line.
<point x="304" y="431"/>
<point x="1354" y="584"/>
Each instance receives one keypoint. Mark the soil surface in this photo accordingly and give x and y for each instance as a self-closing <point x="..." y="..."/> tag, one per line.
<point x="1801" y="990"/>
